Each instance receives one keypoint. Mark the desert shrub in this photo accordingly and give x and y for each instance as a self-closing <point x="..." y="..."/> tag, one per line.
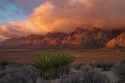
<point x="76" y="66"/>
<point x="86" y="77"/>
<point x="50" y="64"/>
<point x="6" y="62"/>
<point x="105" y="66"/>
<point x="119" y="70"/>
<point x="122" y="62"/>
<point x="19" y="74"/>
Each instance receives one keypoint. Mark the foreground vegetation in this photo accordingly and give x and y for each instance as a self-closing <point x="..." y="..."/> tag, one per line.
<point x="50" y="64"/>
<point x="59" y="68"/>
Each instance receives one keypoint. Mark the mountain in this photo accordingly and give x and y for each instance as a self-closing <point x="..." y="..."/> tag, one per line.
<point x="79" y="38"/>
<point x="117" y="42"/>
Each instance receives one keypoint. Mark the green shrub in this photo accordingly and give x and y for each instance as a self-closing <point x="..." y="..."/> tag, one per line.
<point x="6" y="62"/>
<point x="50" y="63"/>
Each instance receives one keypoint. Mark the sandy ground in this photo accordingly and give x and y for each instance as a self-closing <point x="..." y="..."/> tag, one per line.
<point x="81" y="55"/>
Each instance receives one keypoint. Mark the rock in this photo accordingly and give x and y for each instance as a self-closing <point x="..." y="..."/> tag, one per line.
<point x="86" y="77"/>
<point x="56" y="81"/>
<point x="19" y="74"/>
<point x="111" y="44"/>
<point x="117" y="42"/>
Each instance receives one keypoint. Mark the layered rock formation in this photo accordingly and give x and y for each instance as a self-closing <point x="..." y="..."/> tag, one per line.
<point x="79" y="38"/>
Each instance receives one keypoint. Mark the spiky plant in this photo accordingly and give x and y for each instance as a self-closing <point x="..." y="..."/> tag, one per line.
<point x="50" y="63"/>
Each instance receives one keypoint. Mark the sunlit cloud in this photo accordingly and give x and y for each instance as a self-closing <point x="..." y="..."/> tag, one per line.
<point x="65" y="15"/>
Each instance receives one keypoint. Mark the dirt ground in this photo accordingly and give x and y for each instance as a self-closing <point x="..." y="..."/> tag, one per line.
<point x="81" y="55"/>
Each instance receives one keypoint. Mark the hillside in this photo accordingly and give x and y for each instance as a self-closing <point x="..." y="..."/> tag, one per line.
<point x="117" y="42"/>
<point x="79" y="38"/>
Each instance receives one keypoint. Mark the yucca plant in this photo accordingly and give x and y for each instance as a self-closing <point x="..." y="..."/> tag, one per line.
<point x="50" y="64"/>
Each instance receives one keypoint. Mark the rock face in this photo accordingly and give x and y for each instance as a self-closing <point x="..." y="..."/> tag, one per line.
<point x="18" y="74"/>
<point x="118" y="42"/>
<point x="79" y="38"/>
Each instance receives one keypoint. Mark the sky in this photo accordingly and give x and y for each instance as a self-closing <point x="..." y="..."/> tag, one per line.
<point x="96" y="12"/>
<point x="24" y="17"/>
<point x="64" y="15"/>
<point x="13" y="10"/>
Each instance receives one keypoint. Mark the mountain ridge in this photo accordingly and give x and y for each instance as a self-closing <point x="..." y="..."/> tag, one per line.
<point x="79" y="38"/>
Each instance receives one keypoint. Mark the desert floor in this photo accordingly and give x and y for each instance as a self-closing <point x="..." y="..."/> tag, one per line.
<point x="81" y="55"/>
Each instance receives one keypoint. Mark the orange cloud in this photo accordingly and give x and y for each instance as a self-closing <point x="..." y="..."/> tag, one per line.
<point x="50" y="16"/>
<point x="65" y="15"/>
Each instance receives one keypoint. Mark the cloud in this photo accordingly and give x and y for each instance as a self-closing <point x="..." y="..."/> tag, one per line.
<point x="14" y="29"/>
<point x="65" y="15"/>
<point x="55" y="15"/>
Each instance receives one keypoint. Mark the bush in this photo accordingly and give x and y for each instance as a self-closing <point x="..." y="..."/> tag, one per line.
<point x="105" y="66"/>
<point x="86" y="77"/>
<point x="6" y="62"/>
<point x="50" y="64"/>
<point x="119" y="70"/>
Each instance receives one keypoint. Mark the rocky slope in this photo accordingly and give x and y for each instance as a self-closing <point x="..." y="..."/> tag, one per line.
<point x="79" y="38"/>
<point x="117" y="42"/>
